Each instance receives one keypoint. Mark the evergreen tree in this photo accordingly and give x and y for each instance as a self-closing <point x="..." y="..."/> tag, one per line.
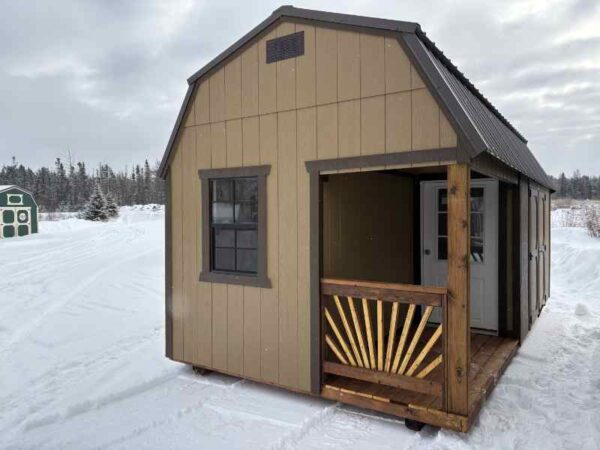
<point x="68" y="187"/>
<point x="112" y="209"/>
<point x="562" y="185"/>
<point x="95" y="209"/>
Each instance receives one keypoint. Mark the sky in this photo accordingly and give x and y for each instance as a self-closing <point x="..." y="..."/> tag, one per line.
<point x="103" y="80"/>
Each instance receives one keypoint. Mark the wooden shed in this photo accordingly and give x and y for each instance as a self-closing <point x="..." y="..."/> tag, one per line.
<point x="349" y="217"/>
<point x="18" y="212"/>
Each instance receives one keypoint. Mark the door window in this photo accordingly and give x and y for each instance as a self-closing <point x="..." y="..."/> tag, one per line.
<point x="477" y="224"/>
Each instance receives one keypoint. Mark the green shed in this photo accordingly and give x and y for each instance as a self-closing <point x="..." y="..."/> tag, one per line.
<point x="18" y="212"/>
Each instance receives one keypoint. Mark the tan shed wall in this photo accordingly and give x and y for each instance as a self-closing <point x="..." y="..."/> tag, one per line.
<point x="350" y="94"/>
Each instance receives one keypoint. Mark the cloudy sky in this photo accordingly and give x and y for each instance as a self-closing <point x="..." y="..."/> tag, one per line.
<point x="104" y="79"/>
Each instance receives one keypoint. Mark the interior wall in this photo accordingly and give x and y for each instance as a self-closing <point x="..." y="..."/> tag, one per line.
<point x="368" y="227"/>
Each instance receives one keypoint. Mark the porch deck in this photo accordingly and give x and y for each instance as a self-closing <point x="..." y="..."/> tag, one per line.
<point x="490" y="355"/>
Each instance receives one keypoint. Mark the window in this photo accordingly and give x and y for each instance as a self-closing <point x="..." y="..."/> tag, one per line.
<point x="14" y="199"/>
<point x="234" y="220"/>
<point x="234" y="226"/>
<point x="477" y="224"/>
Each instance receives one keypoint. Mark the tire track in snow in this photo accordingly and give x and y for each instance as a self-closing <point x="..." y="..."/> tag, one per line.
<point x="25" y="331"/>
<point x="136" y="432"/>
<point x="107" y="362"/>
<point x="319" y="419"/>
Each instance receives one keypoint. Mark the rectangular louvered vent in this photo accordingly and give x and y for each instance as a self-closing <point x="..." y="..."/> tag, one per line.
<point x="285" y="47"/>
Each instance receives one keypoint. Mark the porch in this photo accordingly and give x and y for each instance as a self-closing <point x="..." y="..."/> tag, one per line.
<point x="382" y="352"/>
<point x="429" y="334"/>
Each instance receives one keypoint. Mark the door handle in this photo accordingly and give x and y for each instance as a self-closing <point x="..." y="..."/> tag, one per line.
<point x="427" y="251"/>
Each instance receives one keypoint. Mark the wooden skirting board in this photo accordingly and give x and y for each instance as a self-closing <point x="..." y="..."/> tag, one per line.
<point x="490" y="355"/>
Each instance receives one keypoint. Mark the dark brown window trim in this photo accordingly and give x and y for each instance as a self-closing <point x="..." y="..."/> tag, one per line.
<point x="355" y="162"/>
<point x="260" y="279"/>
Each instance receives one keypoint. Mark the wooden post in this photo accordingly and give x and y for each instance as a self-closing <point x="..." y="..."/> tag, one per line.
<point x="458" y="331"/>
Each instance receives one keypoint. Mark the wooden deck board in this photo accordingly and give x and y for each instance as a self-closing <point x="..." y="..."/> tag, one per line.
<point x="483" y="382"/>
<point x="490" y="355"/>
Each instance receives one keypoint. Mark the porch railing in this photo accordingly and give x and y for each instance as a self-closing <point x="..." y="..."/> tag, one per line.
<point x="381" y="334"/>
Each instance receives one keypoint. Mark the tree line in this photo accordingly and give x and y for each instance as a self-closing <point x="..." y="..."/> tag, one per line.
<point x="67" y="186"/>
<point x="582" y="187"/>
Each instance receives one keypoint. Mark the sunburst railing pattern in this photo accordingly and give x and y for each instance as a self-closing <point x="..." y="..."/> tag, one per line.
<point x="381" y="332"/>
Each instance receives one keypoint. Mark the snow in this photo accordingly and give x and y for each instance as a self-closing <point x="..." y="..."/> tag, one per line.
<point x="82" y="365"/>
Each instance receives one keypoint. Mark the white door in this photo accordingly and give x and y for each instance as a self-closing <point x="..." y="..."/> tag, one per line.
<point x="484" y="246"/>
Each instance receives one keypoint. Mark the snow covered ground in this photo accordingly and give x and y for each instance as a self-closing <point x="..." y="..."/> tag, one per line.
<point x="82" y="366"/>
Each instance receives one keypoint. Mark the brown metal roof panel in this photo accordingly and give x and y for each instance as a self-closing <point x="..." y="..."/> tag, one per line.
<point x="501" y="139"/>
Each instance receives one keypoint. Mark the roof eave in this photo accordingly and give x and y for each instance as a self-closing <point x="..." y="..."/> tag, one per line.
<point x="162" y="169"/>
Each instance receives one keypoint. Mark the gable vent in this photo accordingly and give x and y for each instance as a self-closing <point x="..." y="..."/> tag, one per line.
<point x="285" y="47"/>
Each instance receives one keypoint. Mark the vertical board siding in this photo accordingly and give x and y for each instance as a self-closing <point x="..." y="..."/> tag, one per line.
<point x="398" y="121"/>
<point x="177" y="255"/>
<point x="288" y="249"/>
<point x="286" y="75"/>
<point x="233" y="89"/>
<point x="348" y="65"/>
<point x="269" y="300"/>
<point x="349" y="128"/>
<point x="397" y="67"/>
<point x="425" y="119"/>
<point x="267" y="78"/>
<point x="249" y="81"/>
<point x="326" y="57"/>
<point x="235" y="329"/>
<point x="351" y="93"/>
<point x="306" y="74"/>
<point x="218" y="145"/>
<point x="416" y="82"/>
<point x="448" y="137"/>
<point x="235" y="294"/>
<point x="306" y="149"/>
<point x="203" y="318"/>
<point x="251" y="304"/>
<point x="202" y="103"/>
<point x="372" y="65"/>
<point x="252" y="327"/>
<point x="188" y="214"/>
<point x="327" y="131"/>
<point x="217" y="96"/>
<point x="372" y="125"/>
<point x="251" y="141"/>
<point x="219" y="326"/>
<point x="233" y="135"/>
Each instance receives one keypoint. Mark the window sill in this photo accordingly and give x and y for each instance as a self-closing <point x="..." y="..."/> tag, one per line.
<point x="229" y="278"/>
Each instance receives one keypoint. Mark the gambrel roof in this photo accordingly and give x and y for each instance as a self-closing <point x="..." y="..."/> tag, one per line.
<point x="6" y="187"/>
<point x="480" y="126"/>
